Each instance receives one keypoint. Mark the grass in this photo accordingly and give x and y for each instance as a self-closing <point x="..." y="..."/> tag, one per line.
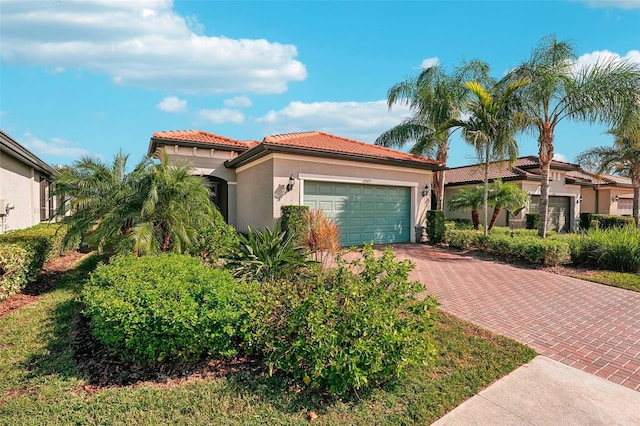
<point x="625" y="280"/>
<point x="40" y="382"/>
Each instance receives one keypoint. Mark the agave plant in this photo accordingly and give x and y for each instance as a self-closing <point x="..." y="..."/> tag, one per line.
<point x="267" y="255"/>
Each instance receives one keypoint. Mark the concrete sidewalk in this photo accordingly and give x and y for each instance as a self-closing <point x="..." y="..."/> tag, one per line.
<point x="547" y="392"/>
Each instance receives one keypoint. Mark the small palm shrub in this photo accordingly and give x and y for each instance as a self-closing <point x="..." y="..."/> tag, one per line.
<point x="323" y="236"/>
<point x="349" y="330"/>
<point x="616" y="249"/>
<point x="167" y="307"/>
<point x="266" y="254"/>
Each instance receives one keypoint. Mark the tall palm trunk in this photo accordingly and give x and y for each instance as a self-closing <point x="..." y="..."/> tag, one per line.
<point x="439" y="177"/>
<point x="545" y="142"/>
<point x="496" y="212"/>
<point x="635" y="180"/>
<point x="486" y="191"/>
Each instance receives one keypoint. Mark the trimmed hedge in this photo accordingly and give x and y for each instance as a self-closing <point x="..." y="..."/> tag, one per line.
<point x="604" y="221"/>
<point x="294" y="221"/>
<point x="532" y="220"/>
<point x="456" y="223"/>
<point x="521" y="246"/>
<point x="435" y="226"/>
<point x="153" y="308"/>
<point x="41" y="242"/>
<point x="13" y="269"/>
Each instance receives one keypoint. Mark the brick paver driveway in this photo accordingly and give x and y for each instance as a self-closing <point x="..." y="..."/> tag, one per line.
<point x="588" y="326"/>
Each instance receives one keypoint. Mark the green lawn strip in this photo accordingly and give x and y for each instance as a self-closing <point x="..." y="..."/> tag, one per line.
<point x="39" y="382"/>
<point x="625" y="280"/>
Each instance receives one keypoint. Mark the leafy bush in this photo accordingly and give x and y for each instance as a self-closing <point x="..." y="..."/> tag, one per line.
<point x="350" y="331"/>
<point x="215" y="241"/>
<point x="455" y="223"/>
<point x="462" y="238"/>
<point x="528" y="248"/>
<point x="604" y="221"/>
<point x="617" y="249"/>
<point x="13" y="269"/>
<point x="41" y="242"/>
<point x="294" y="220"/>
<point x="266" y="255"/>
<point x="153" y="308"/>
<point x="532" y="220"/>
<point x="435" y="226"/>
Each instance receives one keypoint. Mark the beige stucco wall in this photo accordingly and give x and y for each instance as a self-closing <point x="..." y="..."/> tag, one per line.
<point x="264" y="182"/>
<point x="209" y="162"/>
<point x="20" y="186"/>
<point x="254" y="195"/>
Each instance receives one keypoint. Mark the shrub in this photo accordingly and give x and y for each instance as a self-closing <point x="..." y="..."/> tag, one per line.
<point x="266" y="255"/>
<point x="215" y="241"/>
<point x="604" y="221"/>
<point x="455" y="223"/>
<point x="295" y="222"/>
<point x="153" y="308"/>
<point x="462" y="238"/>
<point x="41" y="242"/>
<point x="323" y="236"/>
<point x="435" y="226"/>
<point x="532" y="220"/>
<point x="13" y="269"/>
<point x="616" y="248"/>
<point x="528" y="248"/>
<point x="350" y="331"/>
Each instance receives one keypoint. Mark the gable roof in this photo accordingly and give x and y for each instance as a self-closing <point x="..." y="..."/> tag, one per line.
<point x="525" y="168"/>
<point x="11" y="147"/>
<point x="198" y="138"/>
<point x="325" y="145"/>
<point x="588" y="178"/>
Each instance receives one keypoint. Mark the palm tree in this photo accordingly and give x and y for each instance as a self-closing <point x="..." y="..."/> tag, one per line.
<point x="435" y="97"/>
<point x="468" y="198"/>
<point x="623" y="158"/>
<point x="153" y="208"/>
<point x="560" y="90"/>
<point x="491" y="126"/>
<point x="505" y="195"/>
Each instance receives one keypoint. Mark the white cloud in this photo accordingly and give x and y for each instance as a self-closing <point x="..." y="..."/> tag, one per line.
<point x="143" y="43"/>
<point x="172" y="104"/>
<point x="238" y="102"/>
<point x="55" y="147"/>
<point x="622" y="4"/>
<point x="364" y="121"/>
<point x="219" y="116"/>
<point x="429" y="62"/>
<point x="560" y="157"/>
<point x="605" y="56"/>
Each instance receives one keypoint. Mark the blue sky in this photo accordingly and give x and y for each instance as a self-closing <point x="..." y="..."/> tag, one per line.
<point x="93" y="77"/>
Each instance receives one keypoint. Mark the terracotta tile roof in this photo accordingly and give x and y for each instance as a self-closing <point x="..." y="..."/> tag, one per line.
<point x="206" y="138"/>
<point x="524" y="168"/>
<point x="324" y="142"/>
<point x="598" y="179"/>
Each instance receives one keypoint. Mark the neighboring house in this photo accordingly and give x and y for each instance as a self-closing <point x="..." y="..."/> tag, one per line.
<point x="24" y="186"/>
<point x="374" y="193"/>
<point x="571" y="191"/>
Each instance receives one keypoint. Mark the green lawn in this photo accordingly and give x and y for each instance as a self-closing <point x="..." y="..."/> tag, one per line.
<point x="40" y="383"/>
<point x="626" y="280"/>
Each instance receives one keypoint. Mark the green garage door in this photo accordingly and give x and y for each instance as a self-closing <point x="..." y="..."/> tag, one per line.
<point x="364" y="213"/>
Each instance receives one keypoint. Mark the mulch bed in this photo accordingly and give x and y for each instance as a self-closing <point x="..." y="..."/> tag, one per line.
<point x="49" y="276"/>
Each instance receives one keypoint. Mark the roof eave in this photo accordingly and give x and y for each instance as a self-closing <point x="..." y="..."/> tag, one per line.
<point x="154" y="142"/>
<point x="264" y="148"/>
<point x="13" y="148"/>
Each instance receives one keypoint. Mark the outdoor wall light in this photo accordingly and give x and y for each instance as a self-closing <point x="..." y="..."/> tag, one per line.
<point x="579" y="199"/>
<point x="292" y="182"/>
<point x="425" y="191"/>
<point x="616" y="198"/>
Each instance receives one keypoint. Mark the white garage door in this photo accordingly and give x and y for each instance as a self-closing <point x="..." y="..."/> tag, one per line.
<point x="365" y="213"/>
